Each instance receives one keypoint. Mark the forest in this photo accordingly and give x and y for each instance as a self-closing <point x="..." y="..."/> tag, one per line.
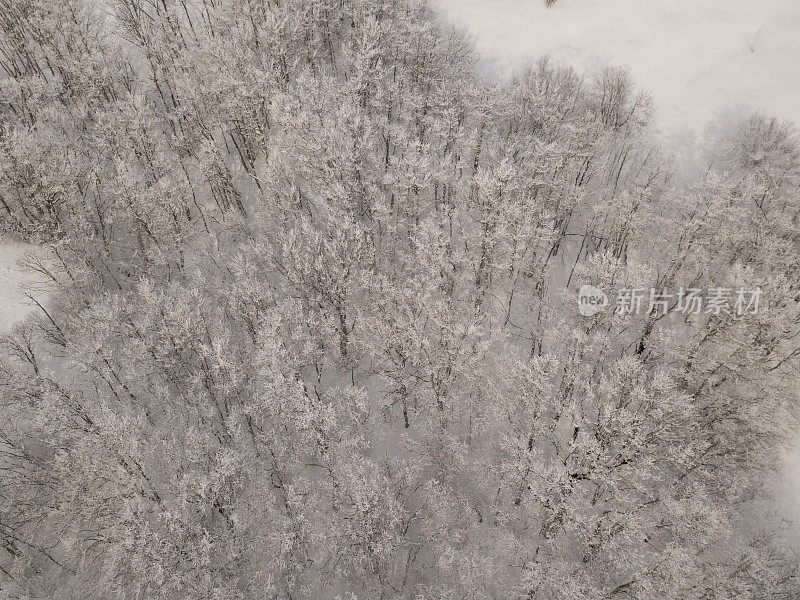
<point x="312" y="331"/>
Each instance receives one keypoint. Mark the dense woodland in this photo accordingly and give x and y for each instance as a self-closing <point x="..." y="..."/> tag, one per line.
<point x="309" y="328"/>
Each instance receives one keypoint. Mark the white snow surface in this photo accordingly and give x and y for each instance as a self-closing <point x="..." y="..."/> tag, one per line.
<point x="14" y="283"/>
<point x="698" y="58"/>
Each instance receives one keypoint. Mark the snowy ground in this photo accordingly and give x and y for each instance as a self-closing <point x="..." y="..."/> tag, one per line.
<point x="13" y="283"/>
<point x="697" y="58"/>
<point x="702" y="61"/>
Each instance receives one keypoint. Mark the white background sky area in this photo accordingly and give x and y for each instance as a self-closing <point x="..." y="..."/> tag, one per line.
<point x="697" y="58"/>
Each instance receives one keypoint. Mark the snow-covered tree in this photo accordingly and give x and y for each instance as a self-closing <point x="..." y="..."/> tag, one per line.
<point x="311" y="331"/>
